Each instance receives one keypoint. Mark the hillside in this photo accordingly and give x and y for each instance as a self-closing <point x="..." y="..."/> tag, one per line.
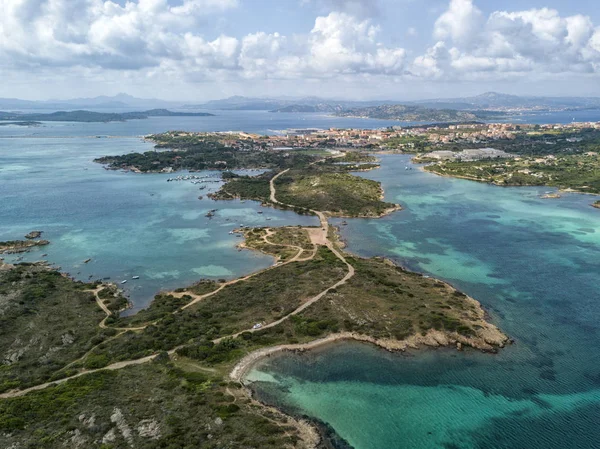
<point x="414" y="113"/>
<point x="90" y="116"/>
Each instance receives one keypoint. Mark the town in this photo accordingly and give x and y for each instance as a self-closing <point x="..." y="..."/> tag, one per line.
<point x="406" y="139"/>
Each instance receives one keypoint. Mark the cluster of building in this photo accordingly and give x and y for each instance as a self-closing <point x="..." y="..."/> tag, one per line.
<point x="396" y="137"/>
<point x="477" y="154"/>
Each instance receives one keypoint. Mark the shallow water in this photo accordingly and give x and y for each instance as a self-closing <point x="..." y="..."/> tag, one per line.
<point x="533" y="263"/>
<point x="128" y="224"/>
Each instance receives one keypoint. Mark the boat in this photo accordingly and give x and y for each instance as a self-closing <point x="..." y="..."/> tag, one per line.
<point x="124" y="282"/>
<point x="135" y="277"/>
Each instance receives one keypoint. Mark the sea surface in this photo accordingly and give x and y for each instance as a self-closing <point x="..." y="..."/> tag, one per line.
<point x="535" y="266"/>
<point x="127" y="224"/>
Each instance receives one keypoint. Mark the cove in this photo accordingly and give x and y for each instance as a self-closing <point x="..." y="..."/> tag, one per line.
<point x="534" y="264"/>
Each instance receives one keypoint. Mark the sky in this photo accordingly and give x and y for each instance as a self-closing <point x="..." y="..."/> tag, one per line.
<point x="198" y="50"/>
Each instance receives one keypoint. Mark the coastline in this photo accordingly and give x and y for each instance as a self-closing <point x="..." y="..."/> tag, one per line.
<point x="489" y="339"/>
<point x="471" y="178"/>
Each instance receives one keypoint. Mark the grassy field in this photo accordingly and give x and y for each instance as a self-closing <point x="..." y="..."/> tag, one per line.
<point x="579" y="172"/>
<point x="340" y="194"/>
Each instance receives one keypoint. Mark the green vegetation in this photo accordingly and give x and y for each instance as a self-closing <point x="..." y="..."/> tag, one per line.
<point x="186" y="151"/>
<point x="245" y="187"/>
<point x="541" y="142"/>
<point x="356" y="156"/>
<point x="51" y="323"/>
<point x="340" y="194"/>
<point x="596" y="204"/>
<point x="46" y="321"/>
<point x="20" y="246"/>
<point x="111" y="296"/>
<point x="386" y="302"/>
<point x="324" y="186"/>
<point x="415" y="144"/>
<point x="164" y="404"/>
<point x="580" y="172"/>
<point x="263" y="298"/>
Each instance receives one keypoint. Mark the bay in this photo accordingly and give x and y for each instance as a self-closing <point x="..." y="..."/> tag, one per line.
<point x="534" y="264"/>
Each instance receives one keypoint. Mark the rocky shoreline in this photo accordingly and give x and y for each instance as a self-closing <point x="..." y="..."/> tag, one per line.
<point x="313" y="433"/>
<point x="23" y="246"/>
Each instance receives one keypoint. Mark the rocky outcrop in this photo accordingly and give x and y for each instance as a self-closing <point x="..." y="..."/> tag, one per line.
<point x="34" y="235"/>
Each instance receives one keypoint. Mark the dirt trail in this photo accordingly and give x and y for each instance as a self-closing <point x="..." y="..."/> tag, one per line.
<point x="318" y="237"/>
<point x="114" y="366"/>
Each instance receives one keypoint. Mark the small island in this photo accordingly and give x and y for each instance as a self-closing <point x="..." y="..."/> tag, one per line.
<point x="596" y="205"/>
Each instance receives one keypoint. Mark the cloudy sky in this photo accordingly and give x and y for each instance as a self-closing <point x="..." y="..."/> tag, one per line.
<point x="359" y="49"/>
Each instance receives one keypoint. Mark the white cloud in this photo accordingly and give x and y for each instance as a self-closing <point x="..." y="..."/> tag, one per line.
<point x="152" y="35"/>
<point x="535" y="41"/>
<point x="339" y="43"/>
<point x="461" y="22"/>
<point x="165" y="40"/>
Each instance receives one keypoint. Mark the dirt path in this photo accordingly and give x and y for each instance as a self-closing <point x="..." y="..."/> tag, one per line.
<point x="114" y="366"/>
<point x="318" y="237"/>
<point x="321" y="238"/>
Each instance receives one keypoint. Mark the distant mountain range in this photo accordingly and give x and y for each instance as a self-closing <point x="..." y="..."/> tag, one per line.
<point x="475" y="107"/>
<point x="119" y="101"/>
<point x="415" y="113"/>
<point x="490" y="101"/>
<point x="92" y="116"/>
<point x="504" y="102"/>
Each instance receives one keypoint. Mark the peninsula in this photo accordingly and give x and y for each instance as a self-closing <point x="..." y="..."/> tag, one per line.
<point x="186" y="354"/>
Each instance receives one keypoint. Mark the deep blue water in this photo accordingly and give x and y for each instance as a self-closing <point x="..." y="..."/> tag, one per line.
<point x="533" y="263"/>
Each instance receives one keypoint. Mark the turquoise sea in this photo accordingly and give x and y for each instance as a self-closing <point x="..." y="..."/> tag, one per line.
<point x="127" y="224"/>
<point x="534" y="264"/>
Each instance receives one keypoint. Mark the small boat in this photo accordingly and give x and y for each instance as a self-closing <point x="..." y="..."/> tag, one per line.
<point x="406" y="168"/>
<point x="135" y="277"/>
<point x="124" y="282"/>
